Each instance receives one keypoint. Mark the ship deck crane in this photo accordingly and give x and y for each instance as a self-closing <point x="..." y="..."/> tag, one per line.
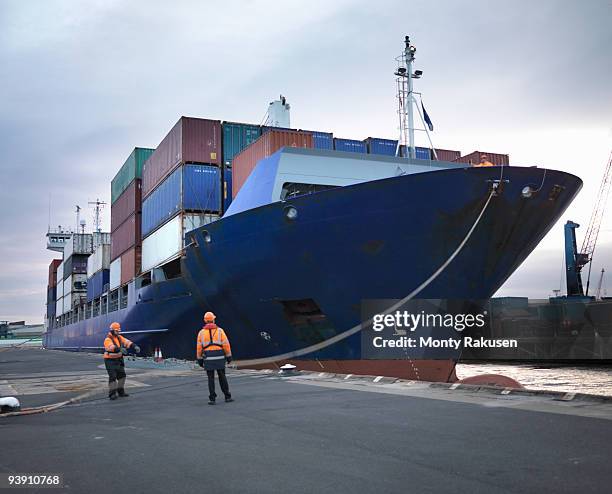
<point x="575" y="260"/>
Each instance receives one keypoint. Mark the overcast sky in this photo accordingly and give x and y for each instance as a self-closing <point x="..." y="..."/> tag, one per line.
<point x="82" y="83"/>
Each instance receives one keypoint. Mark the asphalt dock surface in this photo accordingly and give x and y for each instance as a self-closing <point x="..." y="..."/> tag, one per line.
<point x="305" y="433"/>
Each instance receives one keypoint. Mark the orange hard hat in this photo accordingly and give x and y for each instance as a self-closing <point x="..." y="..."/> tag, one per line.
<point x="115" y="326"/>
<point x="209" y="317"/>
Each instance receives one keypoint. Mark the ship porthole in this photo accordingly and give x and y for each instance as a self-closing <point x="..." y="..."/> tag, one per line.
<point x="291" y="213"/>
<point x="527" y="192"/>
<point x="207" y="237"/>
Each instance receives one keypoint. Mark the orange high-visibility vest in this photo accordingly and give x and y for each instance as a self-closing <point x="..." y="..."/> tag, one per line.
<point x="113" y="344"/>
<point x="219" y="344"/>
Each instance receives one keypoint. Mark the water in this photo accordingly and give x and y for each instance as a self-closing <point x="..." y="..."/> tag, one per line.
<point x="553" y="377"/>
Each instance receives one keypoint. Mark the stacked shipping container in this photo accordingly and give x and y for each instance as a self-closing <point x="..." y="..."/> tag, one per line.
<point x="52" y="289"/>
<point x="126" y="209"/>
<point x="181" y="187"/>
<point x="74" y="272"/>
<point x="474" y="158"/>
<point x="98" y="266"/>
<point x="270" y="142"/>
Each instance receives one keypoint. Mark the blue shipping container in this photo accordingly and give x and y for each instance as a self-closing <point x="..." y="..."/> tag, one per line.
<point x="227" y="188"/>
<point x="350" y="145"/>
<point x="321" y="140"/>
<point x="236" y="137"/>
<point x="386" y="147"/>
<point x="421" y="153"/>
<point x="190" y="187"/>
<point x="97" y="283"/>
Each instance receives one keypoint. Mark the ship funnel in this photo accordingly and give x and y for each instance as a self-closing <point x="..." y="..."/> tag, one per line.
<point x="278" y="113"/>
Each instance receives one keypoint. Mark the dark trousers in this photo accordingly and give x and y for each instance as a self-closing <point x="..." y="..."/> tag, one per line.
<point x="115" y="367"/>
<point x="222" y="382"/>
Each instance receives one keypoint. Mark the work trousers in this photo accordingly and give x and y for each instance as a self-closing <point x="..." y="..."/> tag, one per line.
<point x="116" y="375"/>
<point x="222" y="382"/>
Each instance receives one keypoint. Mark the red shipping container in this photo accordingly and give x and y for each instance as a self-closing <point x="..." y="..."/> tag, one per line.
<point x="270" y="142"/>
<point x="126" y="236"/>
<point x="128" y="203"/>
<point x="53" y="272"/>
<point x="447" y="154"/>
<point x="191" y="140"/>
<point x="495" y="158"/>
<point x="130" y="264"/>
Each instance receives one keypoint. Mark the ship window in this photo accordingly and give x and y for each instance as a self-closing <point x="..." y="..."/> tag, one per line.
<point x="172" y="269"/>
<point x="292" y="189"/>
<point x="309" y="323"/>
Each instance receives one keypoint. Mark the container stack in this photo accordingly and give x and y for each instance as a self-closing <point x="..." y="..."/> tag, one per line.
<point x="350" y="145"/>
<point x="236" y="137"/>
<point x="270" y="142"/>
<point x="495" y="158"/>
<point x="447" y="154"/>
<point x="52" y="290"/>
<point x="98" y="266"/>
<point x="181" y="188"/>
<point x="76" y="252"/>
<point x="126" y="213"/>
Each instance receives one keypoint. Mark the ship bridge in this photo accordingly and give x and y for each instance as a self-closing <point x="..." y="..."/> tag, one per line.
<point x="57" y="238"/>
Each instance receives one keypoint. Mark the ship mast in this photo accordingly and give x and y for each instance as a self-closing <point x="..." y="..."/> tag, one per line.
<point x="405" y="97"/>
<point x="97" y="213"/>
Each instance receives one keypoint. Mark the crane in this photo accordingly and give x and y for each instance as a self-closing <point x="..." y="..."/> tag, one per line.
<point x="599" y="285"/>
<point x="575" y="260"/>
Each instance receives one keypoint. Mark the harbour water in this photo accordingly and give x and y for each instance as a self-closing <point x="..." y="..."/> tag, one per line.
<point x="555" y="377"/>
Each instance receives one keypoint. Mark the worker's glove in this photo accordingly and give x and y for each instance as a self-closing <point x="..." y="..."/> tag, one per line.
<point x="136" y="349"/>
<point x="201" y="362"/>
<point x="124" y="351"/>
<point x="228" y="359"/>
<point x="117" y="349"/>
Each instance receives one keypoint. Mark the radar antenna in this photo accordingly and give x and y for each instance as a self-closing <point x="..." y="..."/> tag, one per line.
<point x="98" y="206"/>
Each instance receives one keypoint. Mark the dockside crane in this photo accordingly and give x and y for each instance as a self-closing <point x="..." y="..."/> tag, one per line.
<point x="575" y="260"/>
<point x="598" y="294"/>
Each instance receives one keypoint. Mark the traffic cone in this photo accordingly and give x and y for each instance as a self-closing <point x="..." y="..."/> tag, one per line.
<point x="161" y="357"/>
<point x="156" y="357"/>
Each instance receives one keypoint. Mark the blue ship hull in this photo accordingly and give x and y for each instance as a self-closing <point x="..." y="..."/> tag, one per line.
<point x="257" y="270"/>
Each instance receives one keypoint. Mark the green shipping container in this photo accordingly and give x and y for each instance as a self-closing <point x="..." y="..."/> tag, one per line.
<point x="131" y="169"/>
<point x="237" y="136"/>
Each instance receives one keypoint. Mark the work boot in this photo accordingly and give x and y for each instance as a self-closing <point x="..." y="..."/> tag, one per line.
<point x="228" y="399"/>
<point x="211" y="402"/>
<point x="112" y="396"/>
<point x="122" y="393"/>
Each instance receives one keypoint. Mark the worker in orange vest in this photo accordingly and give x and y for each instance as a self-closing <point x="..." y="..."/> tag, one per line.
<point x="115" y="347"/>
<point x="484" y="161"/>
<point x="213" y="350"/>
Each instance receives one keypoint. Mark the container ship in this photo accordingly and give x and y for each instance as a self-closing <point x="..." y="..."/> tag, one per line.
<point x="283" y="233"/>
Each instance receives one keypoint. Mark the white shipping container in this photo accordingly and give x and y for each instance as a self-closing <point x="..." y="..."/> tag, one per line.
<point x="59" y="288"/>
<point x="73" y="300"/>
<point x="99" y="260"/>
<point x="75" y="283"/>
<point x="101" y="238"/>
<point x="60" y="273"/>
<point x="115" y="274"/>
<point x="59" y="306"/>
<point x="79" y="243"/>
<point x="167" y="241"/>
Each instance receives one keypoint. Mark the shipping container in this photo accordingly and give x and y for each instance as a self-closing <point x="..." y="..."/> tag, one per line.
<point x="168" y="241"/>
<point x="51" y="308"/>
<point x="130" y="264"/>
<point x="321" y="140"/>
<point x="271" y="141"/>
<point x="495" y="158"/>
<point x="236" y="137"/>
<point x="420" y="153"/>
<point x="126" y="236"/>
<point x="446" y="155"/>
<point x="79" y="243"/>
<point x="75" y="264"/>
<point x="101" y="238"/>
<point x="376" y="145"/>
<point x="131" y="169"/>
<point x="59" y="306"/>
<point x="190" y="188"/>
<point x="127" y="204"/>
<point x="75" y="283"/>
<point x="73" y="300"/>
<point x="227" y="188"/>
<point x="53" y="272"/>
<point x="60" y="272"/>
<point x="114" y="279"/>
<point x="99" y="260"/>
<point x="97" y="284"/>
<point x="350" y="145"/>
<point x="51" y="295"/>
<point x="191" y="140"/>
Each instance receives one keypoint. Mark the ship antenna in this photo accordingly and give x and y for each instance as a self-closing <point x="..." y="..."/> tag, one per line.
<point x="78" y="215"/>
<point x="97" y="213"/>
